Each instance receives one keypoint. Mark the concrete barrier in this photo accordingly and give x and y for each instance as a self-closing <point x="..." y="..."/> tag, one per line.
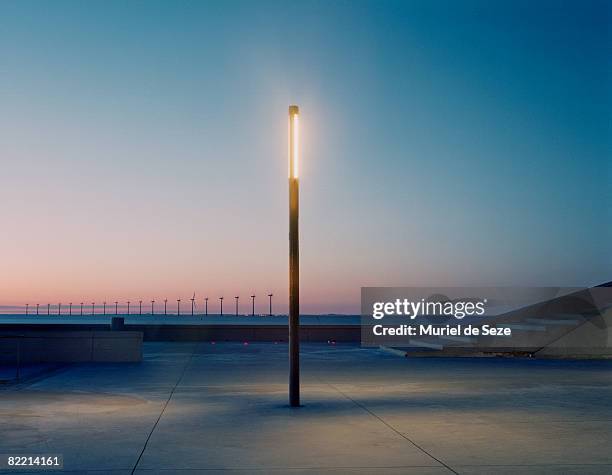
<point x="70" y="347"/>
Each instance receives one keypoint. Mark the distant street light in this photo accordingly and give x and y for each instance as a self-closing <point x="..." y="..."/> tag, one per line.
<point x="294" y="259"/>
<point x="236" y="304"/>
<point x="221" y="299"/>
<point x="253" y="305"/>
<point x="270" y="296"/>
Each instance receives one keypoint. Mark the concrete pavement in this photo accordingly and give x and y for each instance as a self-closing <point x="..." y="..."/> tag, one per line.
<point x="205" y="408"/>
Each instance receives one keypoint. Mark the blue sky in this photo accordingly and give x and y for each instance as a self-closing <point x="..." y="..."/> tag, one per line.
<point x="143" y="146"/>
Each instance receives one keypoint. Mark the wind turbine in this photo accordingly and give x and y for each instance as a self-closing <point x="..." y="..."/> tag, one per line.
<point x="93" y="308"/>
<point x="116" y="308"/>
<point x="59" y="308"/>
<point x="104" y="307"/>
<point x="221" y="299"/>
<point x="178" y="307"/>
<point x="48" y="309"/>
<point x="152" y="307"/>
<point x="37" y="305"/>
<point x="165" y="306"/>
<point x="270" y="295"/>
<point x="236" y="304"/>
<point x="70" y="308"/>
<point x="128" y="302"/>
<point x="192" y="303"/>
<point x="140" y="306"/>
<point x="27" y="307"/>
<point x="81" y="308"/>
<point x="253" y="302"/>
<point x="206" y="304"/>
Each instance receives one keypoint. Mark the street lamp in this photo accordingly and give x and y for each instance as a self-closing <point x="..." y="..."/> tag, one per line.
<point x="294" y="259"/>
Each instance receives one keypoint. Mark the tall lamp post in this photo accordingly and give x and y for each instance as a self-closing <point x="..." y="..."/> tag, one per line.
<point x="294" y="259"/>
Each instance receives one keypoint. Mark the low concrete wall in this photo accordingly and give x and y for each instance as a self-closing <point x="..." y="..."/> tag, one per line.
<point x="208" y="332"/>
<point x="70" y="346"/>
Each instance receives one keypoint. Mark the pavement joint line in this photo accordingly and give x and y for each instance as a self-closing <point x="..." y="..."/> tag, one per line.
<point x="178" y="381"/>
<point x="404" y="436"/>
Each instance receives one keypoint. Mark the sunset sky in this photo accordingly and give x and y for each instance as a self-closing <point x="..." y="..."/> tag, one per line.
<point x="144" y="147"/>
